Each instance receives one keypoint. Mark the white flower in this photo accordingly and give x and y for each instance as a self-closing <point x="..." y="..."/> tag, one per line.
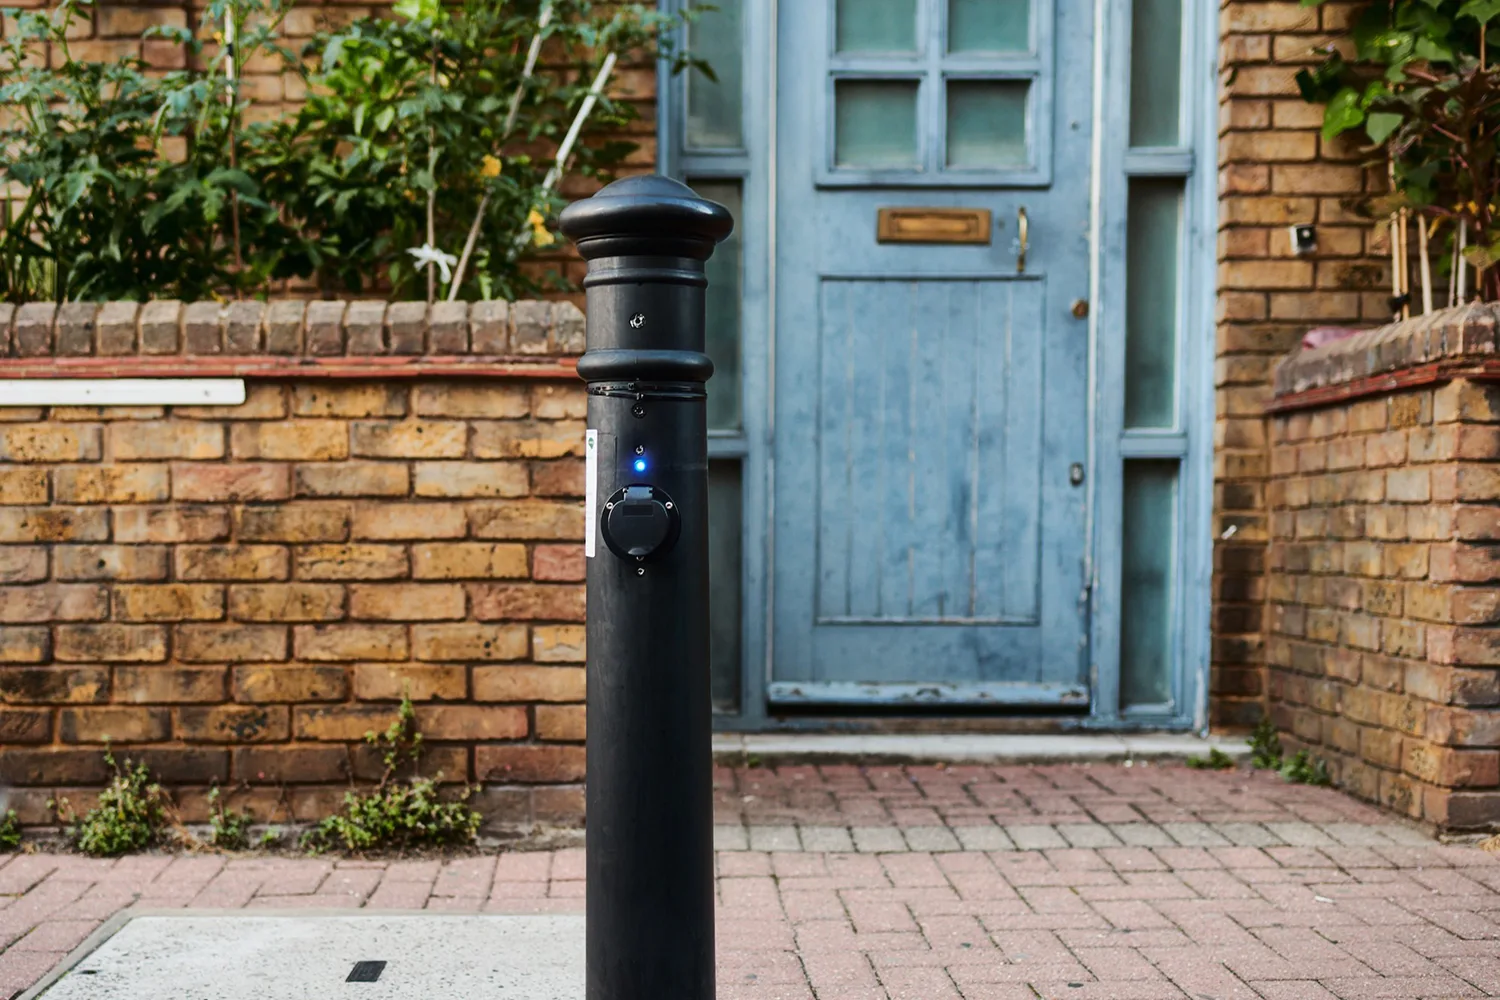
<point x="427" y="255"/>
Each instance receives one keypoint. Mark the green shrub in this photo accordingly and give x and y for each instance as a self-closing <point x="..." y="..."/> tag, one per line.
<point x="397" y="813"/>
<point x="10" y="831"/>
<point x="129" y="189"/>
<point x="1416" y="80"/>
<point x="141" y="184"/>
<point x="131" y="814"/>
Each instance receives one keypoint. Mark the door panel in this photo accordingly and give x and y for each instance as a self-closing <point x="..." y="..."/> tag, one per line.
<point x="931" y="400"/>
<point x="927" y="466"/>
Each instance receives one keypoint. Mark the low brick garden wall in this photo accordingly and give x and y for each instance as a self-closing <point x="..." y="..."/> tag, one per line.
<point x="1384" y="567"/>
<point x="236" y="595"/>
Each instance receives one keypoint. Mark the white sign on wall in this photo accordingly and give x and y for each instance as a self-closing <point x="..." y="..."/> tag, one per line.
<point x="122" y="392"/>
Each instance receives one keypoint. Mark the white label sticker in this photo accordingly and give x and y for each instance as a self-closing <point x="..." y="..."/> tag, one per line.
<point x="591" y="490"/>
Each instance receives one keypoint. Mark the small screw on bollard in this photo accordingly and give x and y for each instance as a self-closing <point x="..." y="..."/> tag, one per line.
<point x="650" y="800"/>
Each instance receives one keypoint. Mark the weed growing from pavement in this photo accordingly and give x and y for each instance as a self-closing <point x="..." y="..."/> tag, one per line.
<point x="131" y="814"/>
<point x="1300" y="769"/>
<point x="1217" y="760"/>
<point x="397" y="813"/>
<point x="227" y="828"/>
<point x="1265" y="746"/>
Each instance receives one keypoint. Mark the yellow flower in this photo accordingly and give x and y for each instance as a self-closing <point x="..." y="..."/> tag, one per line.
<point x="540" y="235"/>
<point x="490" y="167"/>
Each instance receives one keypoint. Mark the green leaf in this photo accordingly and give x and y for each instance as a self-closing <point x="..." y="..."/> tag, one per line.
<point x="1342" y="114"/>
<point x="1373" y="92"/>
<point x="416" y="10"/>
<point x="1480" y="10"/>
<point x="1380" y="124"/>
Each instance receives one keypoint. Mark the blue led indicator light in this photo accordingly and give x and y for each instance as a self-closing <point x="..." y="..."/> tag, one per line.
<point x="640" y="465"/>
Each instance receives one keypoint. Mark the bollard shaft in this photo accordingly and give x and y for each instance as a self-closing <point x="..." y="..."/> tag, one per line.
<point x="649" y="795"/>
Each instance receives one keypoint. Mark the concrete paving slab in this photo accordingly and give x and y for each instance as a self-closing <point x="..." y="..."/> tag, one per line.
<point x="877" y="839"/>
<point x="730" y="838"/>
<point x="774" y="838"/>
<point x="931" y="838"/>
<point x="1034" y="837"/>
<point x="826" y="838"/>
<point x="1141" y="835"/>
<point x="311" y="956"/>
<point x="983" y="838"/>
<point x="1088" y="835"/>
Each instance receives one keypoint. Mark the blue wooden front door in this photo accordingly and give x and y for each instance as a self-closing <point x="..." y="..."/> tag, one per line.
<point x="931" y="399"/>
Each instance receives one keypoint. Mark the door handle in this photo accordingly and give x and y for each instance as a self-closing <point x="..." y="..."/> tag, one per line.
<point x="1023" y="229"/>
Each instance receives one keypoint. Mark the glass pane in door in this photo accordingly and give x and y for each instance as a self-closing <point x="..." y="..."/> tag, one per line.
<point x="989" y="25"/>
<point x="724" y="525"/>
<point x="723" y="308"/>
<point x="875" y="27"/>
<point x="987" y="123"/>
<point x="1153" y="233"/>
<point x="875" y="124"/>
<point x="1155" y="72"/>
<point x="1150" y="531"/>
<point x="715" y="108"/>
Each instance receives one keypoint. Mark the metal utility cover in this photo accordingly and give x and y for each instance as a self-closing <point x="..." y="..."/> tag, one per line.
<point x="237" y="956"/>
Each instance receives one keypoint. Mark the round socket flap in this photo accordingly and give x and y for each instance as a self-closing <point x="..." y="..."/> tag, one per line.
<point x="639" y="521"/>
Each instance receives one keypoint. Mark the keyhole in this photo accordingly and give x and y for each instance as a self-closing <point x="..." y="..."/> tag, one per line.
<point x="1075" y="473"/>
<point x="637" y="321"/>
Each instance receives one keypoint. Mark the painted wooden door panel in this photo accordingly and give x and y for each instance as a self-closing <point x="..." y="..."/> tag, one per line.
<point x="929" y="498"/>
<point x="931" y="400"/>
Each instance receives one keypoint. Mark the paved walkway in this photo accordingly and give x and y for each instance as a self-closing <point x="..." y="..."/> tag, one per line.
<point x="986" y="883"/>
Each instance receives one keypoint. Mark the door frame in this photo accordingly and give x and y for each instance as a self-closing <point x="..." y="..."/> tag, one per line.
<point x="756" y="164"/>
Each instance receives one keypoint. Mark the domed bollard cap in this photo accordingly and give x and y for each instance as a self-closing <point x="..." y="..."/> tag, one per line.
<point x="646" y="216"/>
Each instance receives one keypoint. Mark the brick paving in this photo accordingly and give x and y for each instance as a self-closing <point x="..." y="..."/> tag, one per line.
<point x="931" y="883"/>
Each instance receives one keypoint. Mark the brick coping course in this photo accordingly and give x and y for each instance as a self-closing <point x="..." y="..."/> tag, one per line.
<point x="1437" y="347"/>
<point x="286" y="329"/>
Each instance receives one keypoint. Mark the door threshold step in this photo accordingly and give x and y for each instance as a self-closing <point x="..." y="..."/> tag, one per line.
<point x="977" y="748"/>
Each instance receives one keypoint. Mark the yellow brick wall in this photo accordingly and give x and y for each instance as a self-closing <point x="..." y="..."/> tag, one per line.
<point x="1275" y="171"/>
<point x="237" y="595"/>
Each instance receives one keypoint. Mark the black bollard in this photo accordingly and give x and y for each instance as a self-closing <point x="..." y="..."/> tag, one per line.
<point x="650" y="800"/>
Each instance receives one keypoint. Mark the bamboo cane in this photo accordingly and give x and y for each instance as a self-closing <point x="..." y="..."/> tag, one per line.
<point x="1453" y="272"/>
<point x="543" y="19"/>
<point x="1463" y="262"/>
<point x="432" y="178"/>
<point x="565" y="149"/>
<point x="230" y="56"/>
<point x="1406" y="264"/>
<point x="1395" y="269"/>
<point x="1425" y="265"/>
<point x="532" y="54"/>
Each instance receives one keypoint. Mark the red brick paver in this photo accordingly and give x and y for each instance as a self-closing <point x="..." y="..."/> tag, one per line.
<point x="1105" y="882"/>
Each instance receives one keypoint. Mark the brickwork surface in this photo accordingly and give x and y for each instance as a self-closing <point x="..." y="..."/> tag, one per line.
<point x="238" y="594"/>
<point x="1383" y="596"/>
<point x="1275" y="170"/>
<point x="1103" y="882"/>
